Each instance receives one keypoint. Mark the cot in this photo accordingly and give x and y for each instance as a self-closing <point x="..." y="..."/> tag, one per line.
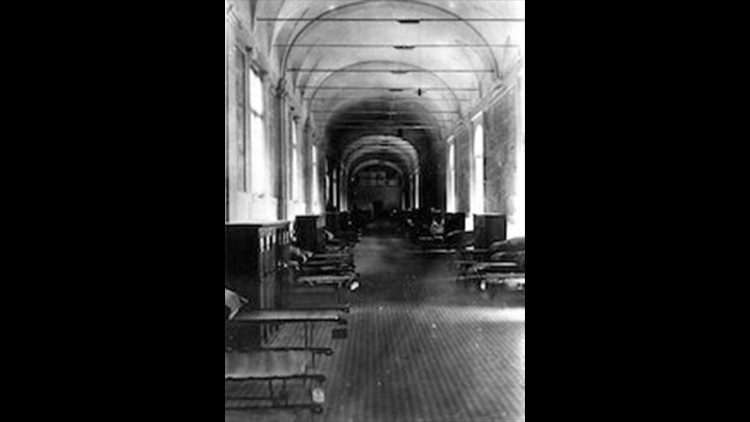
<point x="270" y="368"/>
<point x="274" y="365"/>
<point x="308" y="318"/>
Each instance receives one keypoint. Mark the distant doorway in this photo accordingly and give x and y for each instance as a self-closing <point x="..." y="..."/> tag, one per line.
<point x="377" y="208"/>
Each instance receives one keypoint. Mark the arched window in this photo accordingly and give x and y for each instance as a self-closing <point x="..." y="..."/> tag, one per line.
<point x="477" y="196"/>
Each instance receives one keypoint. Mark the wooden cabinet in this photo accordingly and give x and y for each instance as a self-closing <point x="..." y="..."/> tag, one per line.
<point x="455" y="221"/>
<point x="489" y="228"/>
<point x="333" y="221"/>
<point x="309" y="232"/>
<point x="254" y="255"/>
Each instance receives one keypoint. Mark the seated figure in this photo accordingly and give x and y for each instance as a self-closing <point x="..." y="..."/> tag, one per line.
<point x="233" y="303"/>
<point x="515" y="244"/>
<point x="299" y="255"/>
<point x="511" y="250"/>
<point x="437" y="228"/>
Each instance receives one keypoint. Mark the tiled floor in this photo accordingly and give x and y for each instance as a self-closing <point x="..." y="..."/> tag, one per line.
<point x="421" y="347"/>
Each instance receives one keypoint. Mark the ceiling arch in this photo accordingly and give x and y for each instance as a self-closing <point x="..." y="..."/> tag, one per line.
<point x="351" y="9"/>
<point x="377" y="163"/>
<point x="331" y="93"/>
<point x="394" y="149"/>
<point x="385" y="73"/>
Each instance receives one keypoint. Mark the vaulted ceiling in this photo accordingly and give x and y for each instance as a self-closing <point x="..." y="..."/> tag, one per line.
<point x="380" y="147"/>
<point x="378" y="74"/>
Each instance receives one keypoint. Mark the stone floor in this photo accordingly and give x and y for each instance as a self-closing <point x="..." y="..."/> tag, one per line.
<point x="421" y="347"/>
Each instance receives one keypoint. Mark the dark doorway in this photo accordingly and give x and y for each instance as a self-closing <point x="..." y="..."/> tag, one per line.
<point x="377" y="208"/>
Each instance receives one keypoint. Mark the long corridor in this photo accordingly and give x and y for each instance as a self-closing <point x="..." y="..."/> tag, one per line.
<point x="421" y="346"/>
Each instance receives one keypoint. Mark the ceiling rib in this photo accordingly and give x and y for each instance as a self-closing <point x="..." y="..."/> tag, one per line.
<point x="386" y="127"/>
<point x="403" y="21"/>
<point x="375" y="163"/>
<point x="402" y="121"/>
<point x="389" y="113"/>
<point x="420" y="90"/>
<point x="395" y="71"/>
<point x="393" y="101"/>
<point x="398" y="47"/>
<point x="341" y="8"/>
<point x="381" y="144"/>
<point x="385" y="88"/>
<point x="330" y="1"/>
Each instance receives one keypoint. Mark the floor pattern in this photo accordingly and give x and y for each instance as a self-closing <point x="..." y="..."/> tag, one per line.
<point x="421" y="347"/>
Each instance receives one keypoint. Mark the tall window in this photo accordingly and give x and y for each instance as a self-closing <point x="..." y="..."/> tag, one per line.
<point x="517" y="222"/>
<point x="296" y="176"/>
<point x="327" y="183"/>
<point x="335" y="188"/>
<point x="315" y="185"/>
<point x="259" y="166"/>
<point x="522" y="101"/>
<point x="416" y="190"/>
<point x="477" y="197"/>
<point x="241" y="115"/>
<point x="298" y="204"/>
<point x="450" y="185"/>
